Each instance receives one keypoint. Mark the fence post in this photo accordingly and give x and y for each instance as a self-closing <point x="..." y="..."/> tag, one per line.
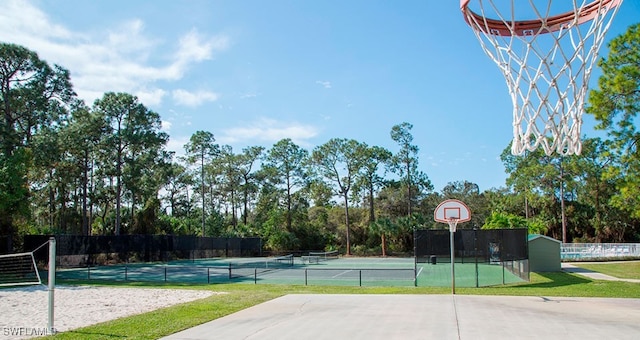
<point x="475" y="252"/>
<point x="415" y="257"/>
<point x="502" y="254"/>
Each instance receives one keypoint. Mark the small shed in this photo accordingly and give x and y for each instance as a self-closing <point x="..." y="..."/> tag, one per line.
<point x="544" y="254"/>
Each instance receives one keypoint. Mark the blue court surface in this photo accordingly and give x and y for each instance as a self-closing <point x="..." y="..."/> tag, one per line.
<point x="441" y="317"/>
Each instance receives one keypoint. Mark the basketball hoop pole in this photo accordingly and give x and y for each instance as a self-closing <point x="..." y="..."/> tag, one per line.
<point x="453" y="222"/>
<point x="452" y="212"/>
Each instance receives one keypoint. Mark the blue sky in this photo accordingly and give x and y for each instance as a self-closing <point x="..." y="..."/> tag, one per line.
<point x="254" y="71"/>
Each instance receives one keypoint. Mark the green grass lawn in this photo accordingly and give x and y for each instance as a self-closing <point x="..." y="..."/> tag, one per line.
<point x="625" y="270"/>
<point x="165" y="321"/>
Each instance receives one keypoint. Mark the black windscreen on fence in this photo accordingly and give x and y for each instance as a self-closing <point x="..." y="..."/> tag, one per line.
<point x="146" y="247"/>
<point x="4" y="245"/>
<point x="495" y="256"/>
<point x="483" y="245"/>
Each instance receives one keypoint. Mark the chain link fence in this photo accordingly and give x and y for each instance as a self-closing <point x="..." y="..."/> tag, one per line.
<point x="507" y="248"/>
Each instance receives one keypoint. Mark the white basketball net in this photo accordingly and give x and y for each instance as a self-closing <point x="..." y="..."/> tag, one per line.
<point x="453" y="224"/>
<point x="547" y="69"/>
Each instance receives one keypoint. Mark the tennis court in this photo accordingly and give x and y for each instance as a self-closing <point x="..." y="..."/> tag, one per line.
<point x="319" y="269"/>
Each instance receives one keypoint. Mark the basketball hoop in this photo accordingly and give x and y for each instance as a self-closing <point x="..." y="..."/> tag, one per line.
<point x="546" y="61"/>
<point x="453" y="223"/>
<point x="452" y="212"/>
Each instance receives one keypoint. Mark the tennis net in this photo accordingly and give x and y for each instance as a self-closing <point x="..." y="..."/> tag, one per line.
<point x="325" y="255"/>
<point x="251" y="268"/>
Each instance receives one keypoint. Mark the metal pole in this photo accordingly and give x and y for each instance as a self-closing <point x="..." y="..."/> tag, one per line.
<point x="501" y="255"/>
<point x="562" y="205"/>
<point x="502" y="271"/>
<point x="415" y="257"/>
<point x="475" y="252"/>
<point x="453" y="270"/>
<point x="52" y="281"/>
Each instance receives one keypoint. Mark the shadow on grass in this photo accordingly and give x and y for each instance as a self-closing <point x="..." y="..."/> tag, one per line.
<point x="554" y="280"/>
<point x="93" y="335"/>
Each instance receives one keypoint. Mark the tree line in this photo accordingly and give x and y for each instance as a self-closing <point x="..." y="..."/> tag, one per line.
<point x="104" y="169"/>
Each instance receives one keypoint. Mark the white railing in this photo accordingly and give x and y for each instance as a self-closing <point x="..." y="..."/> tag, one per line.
<point x="584" y="251"/>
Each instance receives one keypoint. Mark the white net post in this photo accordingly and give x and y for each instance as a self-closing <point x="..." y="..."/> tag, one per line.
<point x="52" y="283"/>
<point x="546" y="68"/>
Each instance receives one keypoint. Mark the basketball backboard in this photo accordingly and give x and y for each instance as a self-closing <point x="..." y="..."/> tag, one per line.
<point x="452" y="209"/>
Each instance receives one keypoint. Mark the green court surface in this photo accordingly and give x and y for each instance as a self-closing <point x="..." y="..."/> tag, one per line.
<point x="347" y="271"/>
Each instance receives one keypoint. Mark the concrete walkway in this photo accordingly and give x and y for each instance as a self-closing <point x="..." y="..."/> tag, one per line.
<point x="571" y="268"/>
<point x="442" y="317"/>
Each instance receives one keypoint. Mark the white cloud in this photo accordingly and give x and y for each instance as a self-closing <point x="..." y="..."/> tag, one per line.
<point x="165" y="126"/>
<point x="193" y="99"/>
<point x="196" y="47"/>
<point x="267" y="131"/>
<point x="121" y="58"/>
<point x="151" y="97"/>
<point x="177" y="145"/>
<point x="324" y="83"/>
<point x="12" y="19"/>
